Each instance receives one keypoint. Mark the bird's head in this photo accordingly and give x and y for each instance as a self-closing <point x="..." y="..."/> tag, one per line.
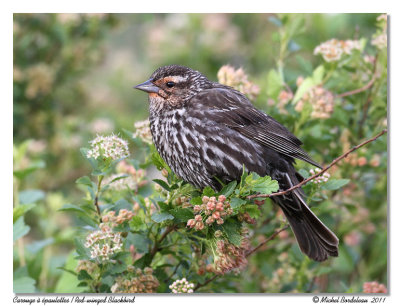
<point x="172" y="86"/>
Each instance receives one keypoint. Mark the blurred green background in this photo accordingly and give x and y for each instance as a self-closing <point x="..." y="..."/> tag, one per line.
<point x="73" y="78"/>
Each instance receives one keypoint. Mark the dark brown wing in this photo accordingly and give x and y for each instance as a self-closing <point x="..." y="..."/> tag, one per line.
<point x="231" y="108"/>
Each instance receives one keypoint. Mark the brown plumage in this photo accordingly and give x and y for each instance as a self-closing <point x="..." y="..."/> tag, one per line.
<point x="204" y="130"/>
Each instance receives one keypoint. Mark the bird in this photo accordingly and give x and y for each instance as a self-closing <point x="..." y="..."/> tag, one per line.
<point x="207" y="132"/>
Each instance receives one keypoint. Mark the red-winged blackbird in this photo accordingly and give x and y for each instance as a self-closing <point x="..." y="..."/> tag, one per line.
<point x="204" y="130"/>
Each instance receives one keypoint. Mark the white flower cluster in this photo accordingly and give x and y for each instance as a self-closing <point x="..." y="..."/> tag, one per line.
<point x="109" y="147"/>
<point x="103" y="243"/>
<point x="143" y="131"/>
<point x="319" y="179"/>
<point x="181" y="286"/>
<point x="321" y="100"/>
<point x="380" y="41"/>
<point x="380" y="38"/>
<point x="332" y="50"/>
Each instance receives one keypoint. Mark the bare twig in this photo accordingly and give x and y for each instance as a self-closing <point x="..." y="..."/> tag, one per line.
<point x="96" y="199"/>
<point x="157" y="243"/>
<point x="276" y="233"/>
<point x="173" y="272"/>
<point x="358" y="90"/>
<point x="335" y="161"/>
<point x="366" y="86"/>
<point x="375" y="75"/>
<point x="199" y="285"/>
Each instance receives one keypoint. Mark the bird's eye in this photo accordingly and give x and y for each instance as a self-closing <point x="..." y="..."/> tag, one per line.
<point x="170" y="84"/>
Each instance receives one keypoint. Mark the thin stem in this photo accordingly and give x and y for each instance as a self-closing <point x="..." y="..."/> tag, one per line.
<point x="157" y="243"/>
<point x="199" y="285"/>
<point x="96" y="199"/>
<point x="173" y="272"/>
<point x="366" y="86"/>
<point x="276" y="233"/>
<point x="358" y="90"/>
<point x="335" y="161"/>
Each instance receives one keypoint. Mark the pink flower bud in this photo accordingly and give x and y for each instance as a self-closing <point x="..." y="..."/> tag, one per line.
<point x="191" y="223"/>
<point x="205" y="199"/>
<point x="210" y="206"/>
<point x="219" y="206"/>
<point x="199" y="226"/>
<point x="197" y="208"/>
<point x="221" y="198"/>
<point x="209" y="220"/>
<point x="216" y="215"/>
<point x="198" y="218"/>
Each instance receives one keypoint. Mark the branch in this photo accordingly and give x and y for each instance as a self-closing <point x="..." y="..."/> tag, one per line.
<point x="157" y="243"/>
<point x="173" y="272"/>
<point x="96" y="199"/>
<point x="276" y="233"/>
<point x="366" y="86"/>
<point x="358" y="90"/>
<point x="199" y="285"/>
<point x="319" y="173"/>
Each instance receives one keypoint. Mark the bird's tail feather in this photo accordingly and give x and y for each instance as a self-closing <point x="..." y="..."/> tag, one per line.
<point x="315" y="239"/>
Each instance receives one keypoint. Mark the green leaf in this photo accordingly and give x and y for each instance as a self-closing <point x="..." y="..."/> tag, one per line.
<point x="21" y="174"/>
<point x="274" y="84"/>
<point x="158" y="161"/>
<point x="318" y="75"/>
<point x="88" y="220"/>
<point x="208" y="192"/>
<point x="20" y="210"/>
<point x="20" y="229"/>
<point x="334" y="184"/>
<point x="237" y="202"/>
<point x="84" y="275"/>
<point x="302" y="89"/>
<point x="93" y="162"/>
<point x="30" y="196"/>
<point x="36" y="246"/>
<point x="82" y="251"/>
<point x="72" y="208"/>
<point x="109" y="280"/>
<point x="85" y="180"/>
<point x="196" y="201"/>
<point x="24" y="284"/>
<point x="182" y="214"/>
<point x="122" y="204"/>
<point x="265" y="185"/>
<point x="124" y="227"/>
<point x="253" y="211"/>
<point x="242" y="178"/>
<point x="160" y="217"/>
<point x="136" y="223"/>
<point x="163" y="184"/>
<point x="231" y="228"/>
<point x="118" y="178"/>
<point x="228" y="189"/>
<point x="139" y="241"/>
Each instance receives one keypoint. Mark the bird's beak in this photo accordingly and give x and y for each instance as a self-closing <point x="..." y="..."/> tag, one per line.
<point x="148" y="86"/>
